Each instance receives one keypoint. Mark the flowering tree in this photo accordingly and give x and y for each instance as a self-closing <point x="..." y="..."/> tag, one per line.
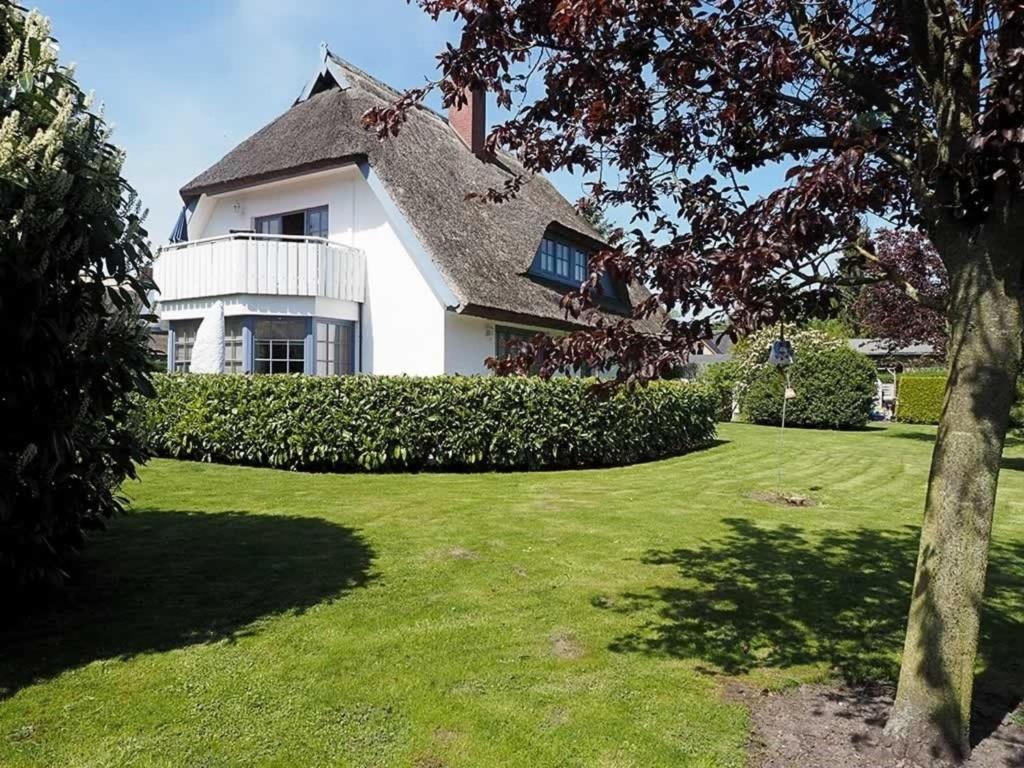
<point x="885" y="309"/>
<point x="912" y="111"/>
<point x="71" y="252"/>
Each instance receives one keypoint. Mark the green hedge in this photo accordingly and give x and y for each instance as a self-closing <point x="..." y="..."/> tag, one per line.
<point x="835" y="389"/>
<point x="722" y="378"/>
<point x="921" y="395"/>
<point x="401" y="423"/>
<point x="919" y="398"/>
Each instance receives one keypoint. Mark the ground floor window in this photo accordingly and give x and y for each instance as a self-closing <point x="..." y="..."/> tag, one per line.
<point x="233" y="359"/>
<point x="334" y="347"/>
<point x="279" y="345"/>
<point x="184" y="341"/>
<point x="507" y="339"/>
<point x="254" y="344"/>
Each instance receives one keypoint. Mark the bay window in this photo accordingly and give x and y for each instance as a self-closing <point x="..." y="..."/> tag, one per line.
<point x="184" y="341"/>
<point x="270" y="345"/>
<point x="233" y="361"/>
<point x="279" y="345"/>
<point x="334" y="346"/>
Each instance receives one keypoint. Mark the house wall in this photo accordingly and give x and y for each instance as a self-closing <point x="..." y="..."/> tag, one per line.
<point x="468" y="341"/>
<point x="402" y="320"/>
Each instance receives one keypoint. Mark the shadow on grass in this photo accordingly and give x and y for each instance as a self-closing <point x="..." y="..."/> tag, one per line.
<point x="161" y="580"/>
<point x="1015" y="463"/>
<point x="779" y="598"/>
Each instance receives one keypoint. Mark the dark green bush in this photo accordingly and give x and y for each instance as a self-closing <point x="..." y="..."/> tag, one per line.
<point x="71" y="251"/>
<point x="919" y="398"/>
<point x="402" y="423"/>
<point x="1017" y="411"/>
<point x="835" y="389"/>
<point x="722" y="378"/>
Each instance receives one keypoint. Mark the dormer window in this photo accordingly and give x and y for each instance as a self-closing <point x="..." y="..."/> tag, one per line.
<point x="561" y="261"/>
<point x="568" y="264"/>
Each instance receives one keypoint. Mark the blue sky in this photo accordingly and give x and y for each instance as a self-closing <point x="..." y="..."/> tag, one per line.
<point x="182" y="83"/>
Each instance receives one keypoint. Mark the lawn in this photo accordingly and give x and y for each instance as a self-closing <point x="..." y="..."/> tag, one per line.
<point x="255" y="617"/>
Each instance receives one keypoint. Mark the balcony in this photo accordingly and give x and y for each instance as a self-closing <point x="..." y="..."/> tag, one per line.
<point x="272" y="265"/>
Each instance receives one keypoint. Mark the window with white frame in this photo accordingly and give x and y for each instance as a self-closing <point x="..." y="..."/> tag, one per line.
<point x="279" y="345"/>
<point x="184" y="341"/>
<point x="334" y="341"/>
<point x="233" y="345"/>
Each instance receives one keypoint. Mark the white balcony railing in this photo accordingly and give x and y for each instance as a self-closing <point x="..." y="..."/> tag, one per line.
<point x="276" y="265"/>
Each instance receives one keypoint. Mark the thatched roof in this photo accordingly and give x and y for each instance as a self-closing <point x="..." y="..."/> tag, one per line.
<point x="483" y="250"/>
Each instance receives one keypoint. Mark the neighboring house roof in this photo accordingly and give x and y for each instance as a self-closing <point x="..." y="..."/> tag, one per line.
<point x="482" y="250"/>
<point x="880" y="348"/>
<point x="709" y="359"/>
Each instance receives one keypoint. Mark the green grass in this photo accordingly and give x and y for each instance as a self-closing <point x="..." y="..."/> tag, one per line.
<point x="254" y="617"/>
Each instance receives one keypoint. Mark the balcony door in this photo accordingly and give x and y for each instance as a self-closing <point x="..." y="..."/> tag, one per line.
<point x="310" y="222"/>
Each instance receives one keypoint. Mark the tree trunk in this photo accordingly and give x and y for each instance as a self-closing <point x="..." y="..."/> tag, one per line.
<point x="930" y="722"/>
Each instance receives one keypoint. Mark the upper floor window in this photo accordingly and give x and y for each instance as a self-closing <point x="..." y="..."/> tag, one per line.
<point x="569" y="264"/>
<point x="311" y="222"/>
<point x="560" y="260"/>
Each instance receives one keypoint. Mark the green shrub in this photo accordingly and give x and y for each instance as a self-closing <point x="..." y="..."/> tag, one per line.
<point x="402" y="423"/>
<point x="1017" y="410"/>
<point x="920" y="397"/>
<point x="71" y="250"/>
<point x="922" y="393"/>
<point x="722" y="379"/>
<point x="835" y="389"/>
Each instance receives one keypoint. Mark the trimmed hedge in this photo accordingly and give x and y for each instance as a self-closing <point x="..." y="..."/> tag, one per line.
<point x="919" y="398"/>
<point x="835" y="389"/>
<point x="380" y="423"/>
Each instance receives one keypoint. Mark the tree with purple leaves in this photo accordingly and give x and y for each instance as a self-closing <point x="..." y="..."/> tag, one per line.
<point x="886" y="310"/>
<point x="910" y="111"/>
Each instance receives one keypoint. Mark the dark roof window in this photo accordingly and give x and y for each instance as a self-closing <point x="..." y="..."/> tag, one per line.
<point x="561" y="261"/>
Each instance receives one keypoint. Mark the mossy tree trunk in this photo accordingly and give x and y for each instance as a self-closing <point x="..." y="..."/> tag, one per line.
<point x="931" y="718"/>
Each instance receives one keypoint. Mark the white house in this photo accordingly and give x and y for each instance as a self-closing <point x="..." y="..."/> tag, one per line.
<point x="321" y="249"/>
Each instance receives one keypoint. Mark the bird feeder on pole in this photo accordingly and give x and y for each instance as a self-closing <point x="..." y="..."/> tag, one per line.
<point x="781" y="356"/>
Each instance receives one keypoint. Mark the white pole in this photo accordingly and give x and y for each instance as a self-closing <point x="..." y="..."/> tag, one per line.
<point x="782" y="431"/>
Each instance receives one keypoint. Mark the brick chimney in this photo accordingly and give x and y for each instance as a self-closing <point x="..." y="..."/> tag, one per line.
<point x="470" y="120"/>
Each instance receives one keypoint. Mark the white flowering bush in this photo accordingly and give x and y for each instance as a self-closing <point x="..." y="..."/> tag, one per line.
<point x="72" y="249"/>
<point x="834" y="385"/>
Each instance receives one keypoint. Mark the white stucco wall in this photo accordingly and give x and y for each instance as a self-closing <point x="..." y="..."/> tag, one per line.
<point x="403" y="320"/>
<point x="468" y="341"/>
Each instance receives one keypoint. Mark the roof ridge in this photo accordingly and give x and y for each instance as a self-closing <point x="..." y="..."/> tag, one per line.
<point x="382" y="85"/>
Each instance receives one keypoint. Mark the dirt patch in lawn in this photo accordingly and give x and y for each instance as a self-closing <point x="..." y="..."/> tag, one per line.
<point x="564" y="645"/>
<point x="783" y="499"/>
<point x="461" y="553"/>
<point x="816" y="726"/>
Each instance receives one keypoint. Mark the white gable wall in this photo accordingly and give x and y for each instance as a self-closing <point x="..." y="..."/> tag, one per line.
<point x="403" y="321"/>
